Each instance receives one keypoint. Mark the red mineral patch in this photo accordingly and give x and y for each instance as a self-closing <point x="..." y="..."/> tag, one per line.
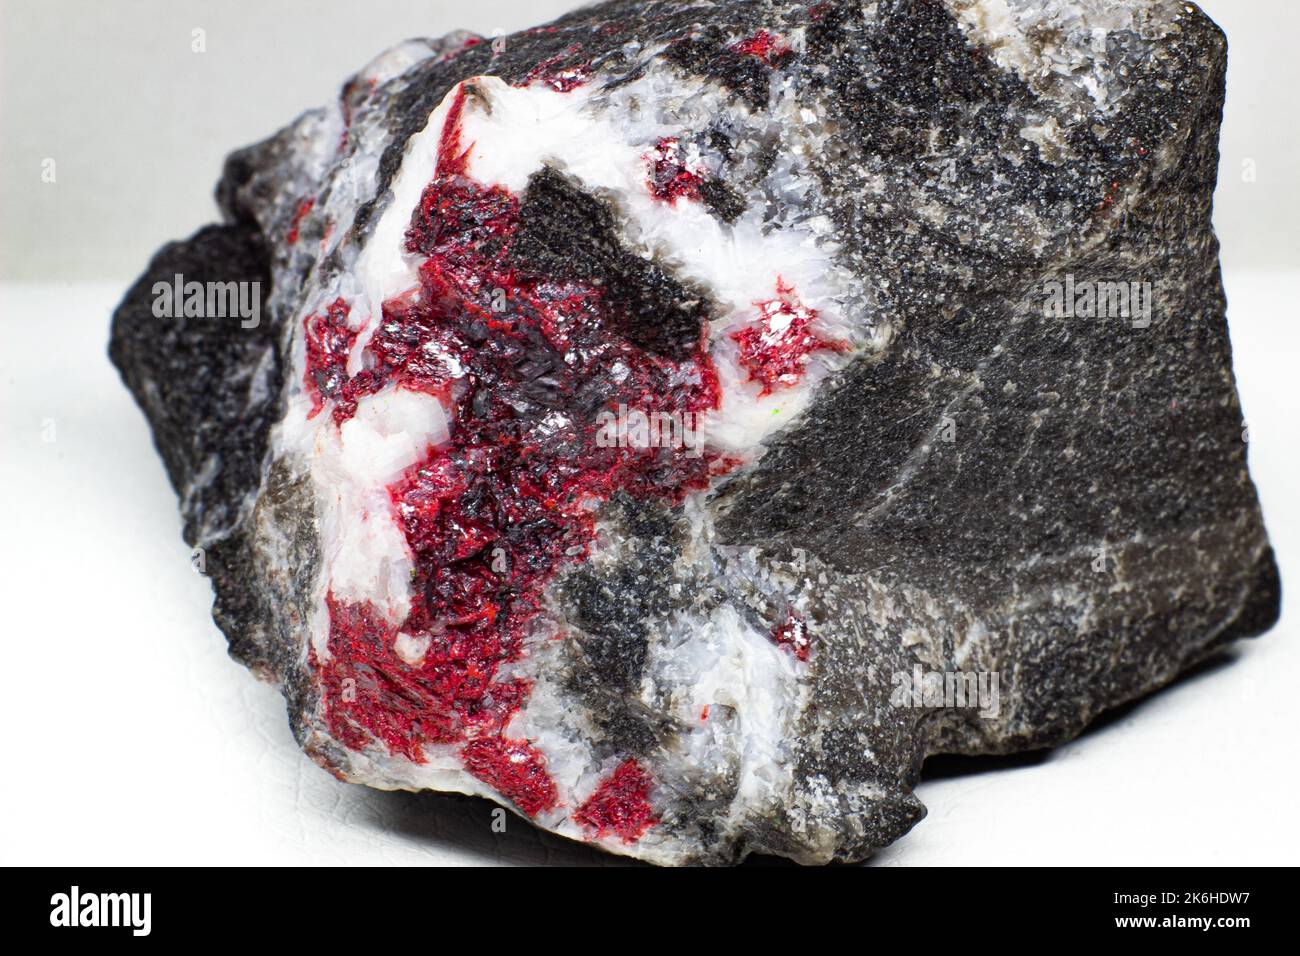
<point x="515" y="769"/>
<point x="371" y="692"/>
<point x="329" y="340"/>
<point x="453" y="160"/>
<point x="469" y="44"/>
<point x="299" y="215"/>
<point x="671" y="177"/>
<point x="792" y="634"/>
<point x="768" y="47"/>
<point x="775" y="350"/>
<point x="558" y="76"/>
<point x="524" y="364"/>
<point x="620" y="805"/>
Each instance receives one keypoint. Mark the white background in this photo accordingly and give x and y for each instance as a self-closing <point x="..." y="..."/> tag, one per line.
<point x="130" y="737"/>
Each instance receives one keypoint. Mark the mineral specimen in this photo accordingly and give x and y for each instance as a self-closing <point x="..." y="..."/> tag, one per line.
<point x="679" y="421"/>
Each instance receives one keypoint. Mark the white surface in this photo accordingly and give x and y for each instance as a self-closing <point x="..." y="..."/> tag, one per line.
<point x="138" y="123"/>
<point x="132" y="738"/>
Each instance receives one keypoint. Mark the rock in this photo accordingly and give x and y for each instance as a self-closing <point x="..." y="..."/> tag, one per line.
<point x="679" y="421"/>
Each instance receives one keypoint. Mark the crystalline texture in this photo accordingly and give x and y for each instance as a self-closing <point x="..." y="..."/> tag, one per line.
<point x="643" y="402"/>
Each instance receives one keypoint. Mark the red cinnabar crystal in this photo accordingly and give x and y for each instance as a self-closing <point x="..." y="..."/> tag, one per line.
<point x="792" y="633"/>
<point x="299" y="215"/>
<point x="671" y="178"/>
<point x="560" y="78"/>
<point x="329" y="340"/>
<point x="493" y="513"/>
<point x="515" y="769"/>
<point x="775" y="350"/>
<point x="620" y="805"/>
<point x="768" y="47"/>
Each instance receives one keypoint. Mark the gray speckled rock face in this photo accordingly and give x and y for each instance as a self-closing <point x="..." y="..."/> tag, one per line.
<point x="679" y="421"/>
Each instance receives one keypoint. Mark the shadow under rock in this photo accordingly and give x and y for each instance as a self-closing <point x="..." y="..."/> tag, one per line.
<point x="950" y="766"/>
<point x="954" y="766"/>
<point x="463" y="823"/>
<point x="456" y="822"/>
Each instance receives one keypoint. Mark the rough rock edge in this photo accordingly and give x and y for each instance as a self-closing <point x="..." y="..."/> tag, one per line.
<point x="190" y="402"/>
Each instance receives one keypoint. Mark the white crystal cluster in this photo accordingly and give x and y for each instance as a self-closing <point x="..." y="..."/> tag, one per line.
<point x="1059" y="46"/>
